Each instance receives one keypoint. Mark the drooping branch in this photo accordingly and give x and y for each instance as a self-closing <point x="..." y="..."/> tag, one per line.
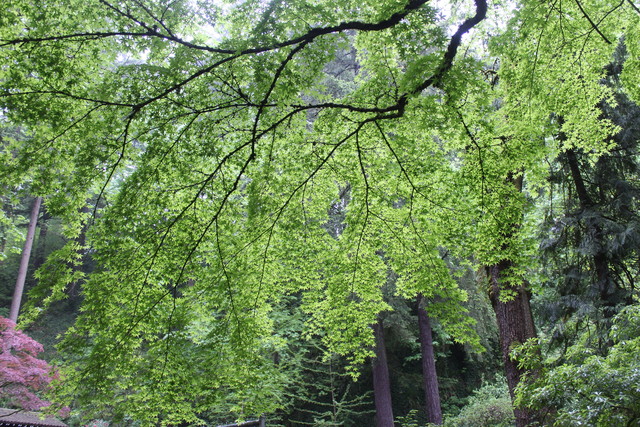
<point x="152" y="31"/>
<point x="634" y="6"/>
<point x="397" y="110"/>
<point x="593" y="25"/>
<point x="269" y="91"/>
<point x="393" y="111"/>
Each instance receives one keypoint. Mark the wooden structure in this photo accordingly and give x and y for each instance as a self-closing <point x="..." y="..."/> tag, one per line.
<point x="19" y="418"/>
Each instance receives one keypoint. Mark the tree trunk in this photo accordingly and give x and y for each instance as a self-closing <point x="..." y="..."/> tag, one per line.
<point x="429" y="375"/>
<point x="38" y="257"/>
<point x="513" y="314"/>
<point x="24" y="261"/>
<point x="3" y="242"/>
<point x="515" y="326"/>
<point x="606" y="288"/>
<point x="381" y="383"/>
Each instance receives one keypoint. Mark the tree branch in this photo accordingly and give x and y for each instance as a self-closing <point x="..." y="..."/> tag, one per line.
<point x="307" y="37"/>
<point x="593" y="25"/>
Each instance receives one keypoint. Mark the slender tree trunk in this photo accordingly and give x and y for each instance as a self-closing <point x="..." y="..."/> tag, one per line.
<point x="429" y="374"/>
<point x="38" y="258"/>
<point x="381" y="382"/>
<point x="24" y="261"/>
<point x="515" y="326"/>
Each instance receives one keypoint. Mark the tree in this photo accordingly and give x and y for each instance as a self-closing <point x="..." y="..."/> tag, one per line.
<point x="590" y="236"/>
<point x="321" y="392"/>
<point x="548" y="96"/>
<point x="513" y="310"/>
<point x="230" y="148"/>
<point x="429" y="374"/>
<point x="24" y="260"/>
<point x="589" y="244"/>
<point x="381" y="381"/>
<point x="590" y="388"/>
<point x="23" y="377"/>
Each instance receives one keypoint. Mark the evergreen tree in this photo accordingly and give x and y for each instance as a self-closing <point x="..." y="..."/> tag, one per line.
<point x="592" y="236"/>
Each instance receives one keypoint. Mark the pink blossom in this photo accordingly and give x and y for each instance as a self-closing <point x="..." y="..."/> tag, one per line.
<point x="22" y="374"/>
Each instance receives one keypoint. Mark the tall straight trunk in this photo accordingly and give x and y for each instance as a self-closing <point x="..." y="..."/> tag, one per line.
<point x="606" y="288"/>
<point x="515" y="326"/>
<point x="429" y="375"/>
<point x="513" y="314"/>
<point x="3" y="242"/>
<point x="381" y="382"/>
<point x="24" y="261"/>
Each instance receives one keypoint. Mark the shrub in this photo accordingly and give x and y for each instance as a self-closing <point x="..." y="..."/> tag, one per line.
<point x="591" y="389"/>
<point x="22" y="374"/>
<point x="489" y="406"/>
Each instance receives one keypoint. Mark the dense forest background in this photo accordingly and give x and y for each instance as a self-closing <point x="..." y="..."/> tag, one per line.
<point x="326" y="213"/>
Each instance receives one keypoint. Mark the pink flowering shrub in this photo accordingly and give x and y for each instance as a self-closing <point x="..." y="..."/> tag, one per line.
<point x="22" y="374"/>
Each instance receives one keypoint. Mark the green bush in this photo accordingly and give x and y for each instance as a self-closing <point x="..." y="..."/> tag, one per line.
<point x="490" y="405"/>
<point x="591" y="389"/>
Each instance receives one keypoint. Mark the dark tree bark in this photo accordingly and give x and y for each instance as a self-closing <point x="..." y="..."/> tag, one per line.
<point x="3" y="242"/>
<point x="606" y="288"/>
<point x="515" y="326"/>
<point x="429" y="374"/>
<point x="381" y="382"/>
<point x="513" y="314"/>
<point x="24" y="261"/>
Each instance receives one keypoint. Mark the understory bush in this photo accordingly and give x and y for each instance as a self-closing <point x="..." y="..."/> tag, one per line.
<point x="589" y="388"/>
<point x="490" y="405"/>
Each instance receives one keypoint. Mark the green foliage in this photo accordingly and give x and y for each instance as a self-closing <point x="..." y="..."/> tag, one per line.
<point x="589" y="229"/>
<point x="490" y="405"/>
<point x="589" y="388"/>
<point x="221" y="140"/>
<point x="54" y="278"/>
<point x="409" y="420"/>
<point x="323" y="392"/>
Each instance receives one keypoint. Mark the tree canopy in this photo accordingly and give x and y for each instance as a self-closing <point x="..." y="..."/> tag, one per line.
<point x="234" y="153"/>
